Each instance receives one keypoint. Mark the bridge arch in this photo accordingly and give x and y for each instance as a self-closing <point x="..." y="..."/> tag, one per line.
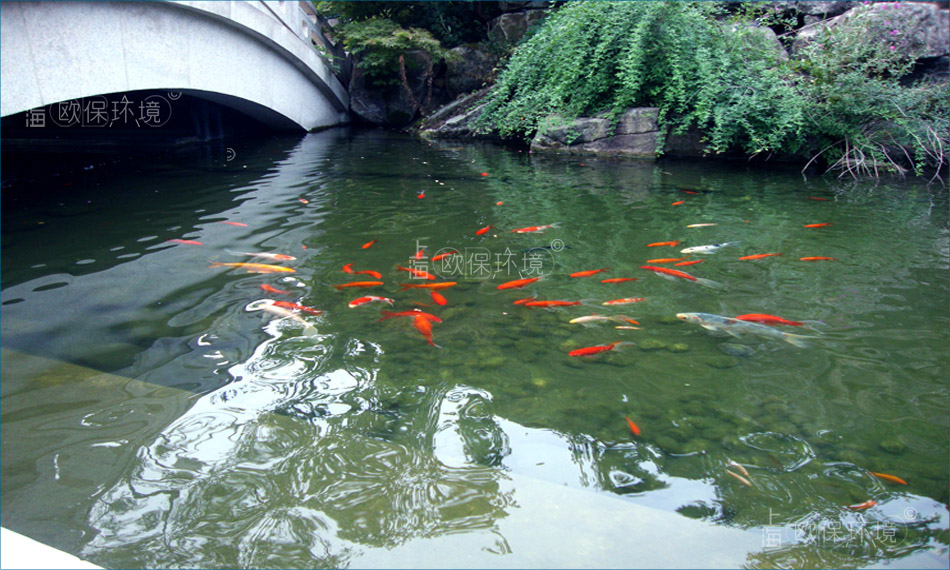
<point x="255" y="57"/>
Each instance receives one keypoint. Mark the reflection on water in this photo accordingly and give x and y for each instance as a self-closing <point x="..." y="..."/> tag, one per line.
<point x="240" y="438"/>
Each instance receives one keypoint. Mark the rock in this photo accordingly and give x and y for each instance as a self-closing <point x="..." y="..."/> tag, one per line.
<point x="392" y="105"/>
<point x="923" y="29"/>
<point x="813" y="8"/>
<point x="457" y="119"/>
<point x="510" y="28"/>
<point x="635" y="135"/>
<point x="470" y="71"/>
<point x="893" y="445"/>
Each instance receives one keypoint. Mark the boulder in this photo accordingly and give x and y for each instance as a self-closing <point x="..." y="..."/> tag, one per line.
<point x="634" y="135"/>
<point x="393" y="105"/>
<point x="471" y="70"/>
<point x="918" y="29"/>
<point x="510" y="28"/>
<point x="456" y="120"/>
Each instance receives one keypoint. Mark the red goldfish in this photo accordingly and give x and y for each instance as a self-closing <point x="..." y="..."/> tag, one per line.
<point x="684" y="263"/>
<point x="757" y="256"/>
<point x="443" y="285"/>
<point x="348" y="268"/>
<point x="589" y="272"/>
<point x="633" y="427"/>
<point x="184" y="241"/>
<point x="413" y="313"/>
<point x="295" y="306"/>
<point x="768" y="320"/>
<point x="887" y="477"/>
<point x="444" y="255"/>
<point x="359" y="284"/>
<point x="624" y="301"/>
<point x="816" y="225"/>
<point x="270" y="289"/>
<point x="618" y="279"/>
<point x="662" y="243"/>
<point x="424" y="326"/>
<point x="239" y="224"/>
<point x="518" y="283"/>
<point x="546" y="304"/>
<point x="665" y="260"/>
<point x="368" y="244"/>
<point x="359" y="302"/>
<point x="863" y="506"/>
<point x="438" y="298"/>
<point x="590" y="350"/>
<point x="483" y="230"/>
<point x="818" y="258"/>
<point x="668" y="271"/>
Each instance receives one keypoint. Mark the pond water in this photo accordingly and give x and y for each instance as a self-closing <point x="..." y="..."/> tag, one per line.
<point x="210" y="434"/>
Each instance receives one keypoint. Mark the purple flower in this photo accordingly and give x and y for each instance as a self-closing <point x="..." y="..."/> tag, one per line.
<point x="895" y="32"/>
<point x="893" y="48"/>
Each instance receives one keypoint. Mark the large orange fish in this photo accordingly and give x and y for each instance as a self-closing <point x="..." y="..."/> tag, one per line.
<point x="666" y="260"/>
<point x="255" y="267"/>
<point x="551" y="303"/>
<point x="424" y="326"/>
<point x="886" y="477"/>
<point x="769" y="320"/>
<point x="633" y="427"/>
<point x="359" y="284"/>
<point x="525" y="300"/>
<point x="483" y="230"/>
<point x="271" y="289"/>
<point x="618" y="279"/>
<point x="239" y="224"/>
<point x="624" y="301"/>
<point x="590" y="350"/>
<point x="816" y="225"/>
<point x="442" y="285"/>
<point x="413" y="313"/>
<point x="295" y="306"/>
<point x="757" y="256"/>
<point x="348" y="268"/>
<point x="264" y="254"/>
<point x="518" y="283"/>
<point x="184" y="241"/>
<point x="590" y="272"/>
<point x="662" y="243"/>
<point x="444" y="255"/>
<point x="368" y="244"/>
<point x="438" y="298"/>
<point x="532" y="229"/>
<point x="668" y="271"/>
<point x="359" y="302"/>
<point x="685" y="263"/>
<point x="863" y="506"/>
<point x="818" y="258"/>
<point x="417" y="272"/>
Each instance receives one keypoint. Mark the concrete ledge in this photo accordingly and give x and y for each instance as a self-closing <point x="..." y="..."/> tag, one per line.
<point x="18" y="551"/>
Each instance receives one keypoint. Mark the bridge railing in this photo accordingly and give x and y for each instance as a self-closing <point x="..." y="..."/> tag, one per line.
<point x="302" y="19"/>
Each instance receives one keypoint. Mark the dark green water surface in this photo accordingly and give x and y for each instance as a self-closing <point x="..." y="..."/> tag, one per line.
<point x="227" y="437"/>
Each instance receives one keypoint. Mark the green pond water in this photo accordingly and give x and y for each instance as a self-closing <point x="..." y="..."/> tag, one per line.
<point x="228" y="437"/>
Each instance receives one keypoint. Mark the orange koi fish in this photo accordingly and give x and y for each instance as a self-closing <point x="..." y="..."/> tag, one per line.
<point x="739" y="467"/>
<point x="666" y="260"/>
<point x="662" y="243"/>
<point x="443" y="285"/>
<point x="590" y="350"/>
<point x="624" y="301"/>
<point x="589" y="272"/>
<point x="368" y="244"/>
<point x="668" y="271"/>
<point x="424" y="326"/>
<point x="438" y="298"/>
<point x="412" y="313"/>
<point x="518" y="283"/>
<point x="768" y="320"/>
<point x="741" y="479"/>
<point x="816" y="225"/>
<point x="348" y="268"/>
<point x="421" y="195"/>
<point x="368" y="299"/>
<point x="255" y="267"/>
<point x="444" y="255"/>
<point x="239" y="224"/>
<point x="499" y="203"/>
<point x="633" y="427"/>
<point x="270" y="289"/>
<point x="420" y="254"/>
<point x="618" y="279"/>
<point x="817" y="198"/>
<point x="887" y="477"/>
<point x="184" y="241"/>
<point x="532" y="229"/>
<point x="483" y="230"/>
<point x="678" y="203"/>
<point x="295" y="306"/>
<point x="302" y="201"/>
<point x="359" y="284"/>
<point x="417" y="272"/>
<point x="757" y="256"/>
<point x="863" y="506"/>
<point x="818" y="258"/>
<point x="525" y="300"/>
<point x="546" y="304"/>
<point x="684" y="263"/>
